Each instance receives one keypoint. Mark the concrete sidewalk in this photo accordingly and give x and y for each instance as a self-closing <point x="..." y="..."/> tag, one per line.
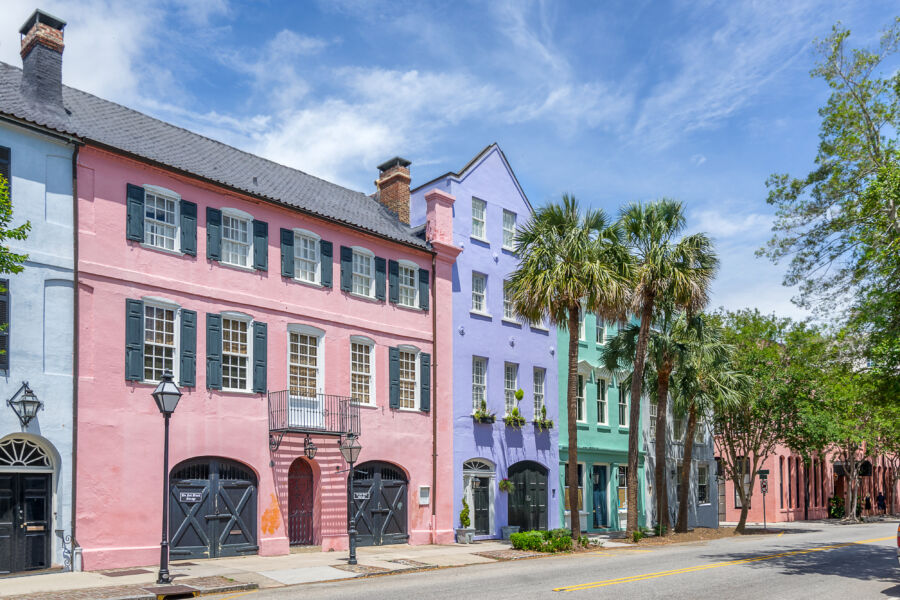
<point x="249" y="572"/>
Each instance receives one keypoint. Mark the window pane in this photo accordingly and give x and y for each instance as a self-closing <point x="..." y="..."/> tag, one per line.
<point x="510" y="385"/>
<point x="303" y="365"/>
<point x="508" y="311"/>
<point x="509" y="229"/>
<point x="408" y="288"/>
<point x="579" y="404"/>
<point x="479" y="283"/>
<point x="306" y="258"/>
<point x="159" y="221"/>
<point x="361" y="372"/>
<point x="478" y="218"/>
<point x="407" y="379"/>
<point x="159" y="342"/>
<point x="234" y="354"/>
<point x="479" y="384"/>
<point x="623" y="410"/>
<point x="601" y="401"/>
<point x="362" y="274"/>
<point x="539" y="377"/>
<point x="235" y="241"/>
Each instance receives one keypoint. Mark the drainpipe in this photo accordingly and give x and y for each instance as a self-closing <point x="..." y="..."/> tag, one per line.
<point x="434" y="404"/>
<point x="76" y="555"/>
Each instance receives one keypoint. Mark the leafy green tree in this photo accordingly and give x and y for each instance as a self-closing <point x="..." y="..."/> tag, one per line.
<point x="662" y="267"/>
<point x="569" y="260"/>
<point x="10" y="262"/>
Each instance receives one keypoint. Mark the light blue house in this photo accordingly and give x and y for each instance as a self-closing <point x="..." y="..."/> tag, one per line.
<point x="36" y="463"/>
<point x="496" y="354"/>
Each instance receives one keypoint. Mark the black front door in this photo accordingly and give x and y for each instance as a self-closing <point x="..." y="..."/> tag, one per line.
<point x="24" y="521"/>
<point x="481" y="500"/>
<point x="212" y="509"/>
<point x="527" y="502"/>
<point x="379" y="501"/>
<point x="300" y="503"/>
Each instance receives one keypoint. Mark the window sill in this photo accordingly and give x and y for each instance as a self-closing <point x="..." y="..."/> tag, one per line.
<point x="306" y="283"/>
<point x="407" y="307"/>
<point x="411" y="410"/>
<point x="603" y="428"/>
<point x="480" y="240"/>
<point x="512" y="323"/>
<point x="368" y="405"/>
<point x="147" y="246"/>
<point x="483" y="315"/>
<point x="582" y="344"/>
<point x="623" y="428"/>
<point x="239" y="392"/>
<point x="539" y="328"/>
<point x="362" y="297"/>
<point x="508" y="250"/>
<point x="236" y="267"/>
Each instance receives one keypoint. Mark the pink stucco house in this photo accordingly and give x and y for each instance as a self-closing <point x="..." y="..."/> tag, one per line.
<point x="291" y="311"/>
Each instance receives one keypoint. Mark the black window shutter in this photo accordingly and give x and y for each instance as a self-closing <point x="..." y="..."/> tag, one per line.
<point x="425" y="374"/>
<point x="188" y="370"/>
<point x="189" y="228"/>
<point x="287" y="253"/>
<point x="134" y="204"/>
<point x="326" y="255"/>
<point x="213" y="233"/>
<point x="394" y="376"/>
<point x="260" y="245"/>
<point x="380" y="267"/>
<point x="346" y="268"/>
<point x="259" y="357"/>
<point x="4" y="324"/>
<point x="213" y="351"/>
<point x="393" y="281"/>
<point x="423" y="289"/>
<point x="134" y="340"/>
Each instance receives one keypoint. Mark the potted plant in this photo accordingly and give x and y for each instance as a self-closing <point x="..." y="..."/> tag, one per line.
<point x="464" y="534"/>
<point x="482" y="415"/>
<point x="508" y="530"/>
<point x="505" y="485"/>
<point x="543" y="423"/>
<point x="514" y="418"/>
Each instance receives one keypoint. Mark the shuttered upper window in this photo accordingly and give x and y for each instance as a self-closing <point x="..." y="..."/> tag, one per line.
<point x="408" y="379"/>
<point x="160" y="220"/>
<point x="235" y="240"/>
<point x="363" y="273"/>
<point x="408" y="286"/>
<point x="306" y="257"/>
<point x="235" y="354"/>
<point x="159" y="341"/>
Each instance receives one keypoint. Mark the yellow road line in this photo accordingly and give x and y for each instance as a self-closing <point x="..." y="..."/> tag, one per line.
<point x="632" y="578"/>
<point x="780" y="534"/>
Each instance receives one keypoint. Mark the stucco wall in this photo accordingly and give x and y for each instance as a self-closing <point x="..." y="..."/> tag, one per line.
<point x="493" y="338"/>
<point x="121" y="431"/>
<point x="41" y="307"/>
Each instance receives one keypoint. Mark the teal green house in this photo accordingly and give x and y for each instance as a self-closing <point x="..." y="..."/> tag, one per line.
<point x="603" y="428"/>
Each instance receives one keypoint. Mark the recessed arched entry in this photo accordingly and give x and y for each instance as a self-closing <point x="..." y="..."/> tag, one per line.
<point x="527" y="502"/>
<point x="379" y="502"/>
<point x="301" y="500"/>
<point x="478" y="489"/>
<point x="212" y="509"/>
<point x="26" y="496"/>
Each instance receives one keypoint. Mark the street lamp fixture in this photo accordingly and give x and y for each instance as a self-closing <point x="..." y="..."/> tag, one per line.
<point x="25" y="404"/>
<point x="309" y="448"/>
<point x="350" y="450"/>
<point x="166" y="396"/>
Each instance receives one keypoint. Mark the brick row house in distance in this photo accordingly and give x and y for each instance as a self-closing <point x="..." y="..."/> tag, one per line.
<point x="495" y="355"/>
<point x="291" y="311"/>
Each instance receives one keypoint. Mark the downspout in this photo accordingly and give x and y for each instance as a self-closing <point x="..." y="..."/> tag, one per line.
<point x="434" y="394"/>
<point x="76" y="554"/>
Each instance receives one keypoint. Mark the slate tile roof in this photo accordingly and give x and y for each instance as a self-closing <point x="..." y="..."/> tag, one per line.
<point x="97" y="120"/>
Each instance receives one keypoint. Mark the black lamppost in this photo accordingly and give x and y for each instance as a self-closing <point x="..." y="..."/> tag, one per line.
<point x="25" y="404"/>
<point x="167" y="396"/>
<point x="350" y="450"/>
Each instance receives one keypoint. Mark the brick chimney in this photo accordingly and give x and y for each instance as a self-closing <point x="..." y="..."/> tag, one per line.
<point x="42" y="49"/>
<point x="393" y="186"/>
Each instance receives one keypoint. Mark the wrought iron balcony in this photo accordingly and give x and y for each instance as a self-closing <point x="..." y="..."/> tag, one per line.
<point x="323" y="414"/>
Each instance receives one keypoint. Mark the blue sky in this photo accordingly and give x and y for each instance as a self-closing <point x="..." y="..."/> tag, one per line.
<point x="610" y="101"/>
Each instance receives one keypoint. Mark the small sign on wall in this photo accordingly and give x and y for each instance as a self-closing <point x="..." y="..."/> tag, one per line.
<point x="424" y="495"/>
<point x="362" y="495"/>
<point x="190" y="497"/>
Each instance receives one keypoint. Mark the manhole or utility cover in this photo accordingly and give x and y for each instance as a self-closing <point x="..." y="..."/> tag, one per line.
<point x="124" y="572"/>
<point x="170" y="591"/>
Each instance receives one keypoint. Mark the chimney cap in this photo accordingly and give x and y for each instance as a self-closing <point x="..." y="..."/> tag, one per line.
<point x="396" y="161"/>
<point x="39" y="16"/>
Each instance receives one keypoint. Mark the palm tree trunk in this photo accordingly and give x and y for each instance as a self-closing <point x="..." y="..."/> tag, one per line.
<point x="682" y="525"/>
<point x="659" y="472"/>
<point x="634" y="416"/>
<point x="572" y="411"/>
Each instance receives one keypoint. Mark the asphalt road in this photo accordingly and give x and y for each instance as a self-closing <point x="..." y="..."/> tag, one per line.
<point x="818" y="561"/>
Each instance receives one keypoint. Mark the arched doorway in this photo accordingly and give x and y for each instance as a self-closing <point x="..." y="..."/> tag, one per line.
<point x="478" y="488"/>
<point x="527" y="502"/>
<point x="212" y="509"/>
<point x="379" y="501"/>
<point x="26" y="495"/>
<point x="300" y="503"/>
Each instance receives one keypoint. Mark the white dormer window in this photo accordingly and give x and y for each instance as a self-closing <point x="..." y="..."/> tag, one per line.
<point x="363" y="272"/>
<point x="306" y="256"/>
<point x="409" y="291"/>
<point x="479" y="220"/>
<point x="161" y="218"/>
<point x="235" y="238"/>
<point x="509" y="230"/>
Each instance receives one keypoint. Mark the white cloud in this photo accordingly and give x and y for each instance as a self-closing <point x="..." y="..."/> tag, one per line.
<point x="720" y="224"/>
<point x="698" y="159"/>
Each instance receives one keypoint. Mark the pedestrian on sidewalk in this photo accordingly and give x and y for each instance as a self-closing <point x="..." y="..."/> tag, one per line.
<point x="868" y="504"/>
<point x="881" y="504"/>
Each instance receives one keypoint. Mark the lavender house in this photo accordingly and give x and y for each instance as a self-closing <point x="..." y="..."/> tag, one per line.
<point x="495" y="354"/>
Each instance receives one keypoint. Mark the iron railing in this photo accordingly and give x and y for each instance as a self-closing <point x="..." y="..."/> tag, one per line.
<point x="322" y="413"/>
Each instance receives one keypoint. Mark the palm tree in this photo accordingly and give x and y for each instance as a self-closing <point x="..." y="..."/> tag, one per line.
<point x="569" y="261"/>
<point x="667" y="345"/>
<point x="661" y="267"/>
<point x="704" y="379"/>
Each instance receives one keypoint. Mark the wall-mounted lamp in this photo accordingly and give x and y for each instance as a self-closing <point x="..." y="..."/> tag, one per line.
<point x="25" y="404"/>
